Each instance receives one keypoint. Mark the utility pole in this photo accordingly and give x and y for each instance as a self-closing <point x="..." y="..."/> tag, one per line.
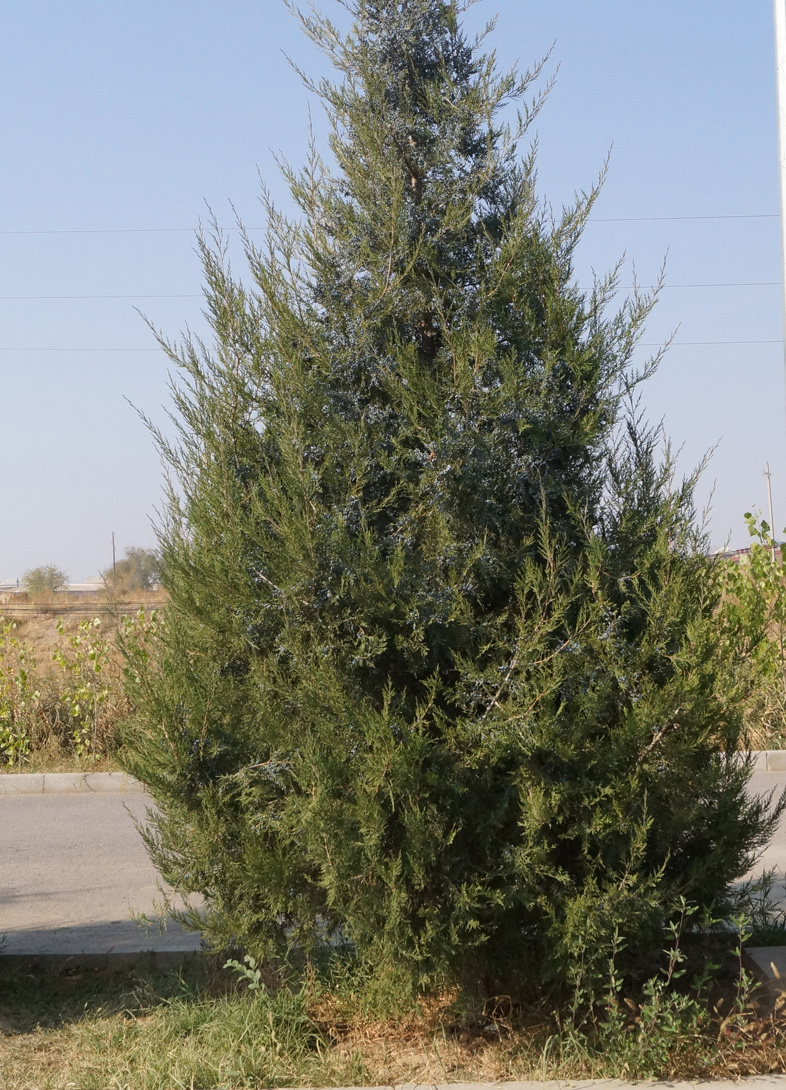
<point x="114" y="559"/>
<point x="768" y="475"/>
<point x="780" y="72"/>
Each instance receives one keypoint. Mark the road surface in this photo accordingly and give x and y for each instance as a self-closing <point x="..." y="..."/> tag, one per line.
<point x="73" y="871"/>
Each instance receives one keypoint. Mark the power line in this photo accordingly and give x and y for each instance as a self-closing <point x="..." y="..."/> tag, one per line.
<point x="729" y="284"/>
<point x="17" y="298"/>
<point x="192" y="230"/>
<point x="125" y="230"/>
<point x="690" y="344"/>
<point x="676" y="219"/>
<point x="81" y="350"/>
<point x="642" y="344"/>
<point x="199" y="295"/>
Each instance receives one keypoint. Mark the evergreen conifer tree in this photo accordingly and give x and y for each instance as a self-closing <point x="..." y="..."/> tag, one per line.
<point x="439" y="673"/>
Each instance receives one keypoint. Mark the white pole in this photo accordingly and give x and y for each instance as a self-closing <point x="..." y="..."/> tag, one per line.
<point x="769" y="497"/>
<point x="780" y="70"/>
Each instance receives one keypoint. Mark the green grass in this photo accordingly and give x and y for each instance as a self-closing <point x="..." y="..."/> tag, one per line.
<point x="195" y="1029"/>
<point x="202" y="1028"/>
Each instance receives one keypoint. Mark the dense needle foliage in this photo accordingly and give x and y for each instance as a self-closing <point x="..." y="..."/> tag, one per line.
<point x="439" y="676"/>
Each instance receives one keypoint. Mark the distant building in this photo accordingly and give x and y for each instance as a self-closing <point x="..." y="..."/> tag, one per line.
<point x="8" y="588"/>
<point x="11" y="587"/>
<point x="90" y="586"/>
<point x="741" y="556"/>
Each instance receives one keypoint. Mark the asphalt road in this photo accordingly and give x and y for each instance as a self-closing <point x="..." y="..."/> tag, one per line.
<point x="73" y="870"/>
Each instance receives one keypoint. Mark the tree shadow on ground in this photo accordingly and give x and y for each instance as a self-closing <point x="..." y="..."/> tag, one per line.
<point x="48" y="994"/>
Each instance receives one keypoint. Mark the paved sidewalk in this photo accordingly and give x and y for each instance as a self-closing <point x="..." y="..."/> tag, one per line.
<point x="755" y="1082"/>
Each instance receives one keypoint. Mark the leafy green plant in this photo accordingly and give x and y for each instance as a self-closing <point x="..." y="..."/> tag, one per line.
<point x="84" y="657"/>
<point x="663" y="1015"/>
<point x="669" y="1022"/>
<point x="18" y="694"/>
<point x="137" y="634"/>
<point x="66" y="702"/>
<point x="248" y="970"/>
<point x="752" y="617"/>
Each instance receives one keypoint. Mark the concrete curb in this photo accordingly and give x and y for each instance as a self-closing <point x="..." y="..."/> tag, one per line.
<point x="69" y="783"/>
<point x="759" y="1082"/>
<point x="770" y="760"/>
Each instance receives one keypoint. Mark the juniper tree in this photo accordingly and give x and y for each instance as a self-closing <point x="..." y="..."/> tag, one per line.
<point x="439" y="673"/>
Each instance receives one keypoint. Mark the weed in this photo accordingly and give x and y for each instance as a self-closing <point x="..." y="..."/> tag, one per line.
<point x="62" y="696"/>
<point x="18" y="694"/>
<point x="84" y="657"/>
<point x="260" y="1025"/>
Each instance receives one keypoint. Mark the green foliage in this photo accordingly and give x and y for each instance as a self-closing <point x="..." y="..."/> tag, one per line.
<point x="247" y="970"/>
<point x="18" y="694"/>
<point x="84" y="656"/>
<point x="44" y="580"/>
<point x="440" y="676"/>
<point x="154" y="1031"/>
<point x="670" y="1021"/>
<point x="69" y="702"/>
<point x="139" y="570"/>
<point x="136" y="634"/>
<point x="752" y="617"/>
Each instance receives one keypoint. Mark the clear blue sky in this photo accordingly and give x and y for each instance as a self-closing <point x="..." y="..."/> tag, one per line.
<point x="120" y="123"/>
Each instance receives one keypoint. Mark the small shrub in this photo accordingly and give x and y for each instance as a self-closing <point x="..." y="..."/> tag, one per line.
<point x="752" y="621"/>
<point x="84" y="657"/>
<point x="18" y="695"/>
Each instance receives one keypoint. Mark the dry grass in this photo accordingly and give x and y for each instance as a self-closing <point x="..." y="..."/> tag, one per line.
<point x="57" y="646"/>
<point x="53" y="757"/>
<point x="36" y="623"/>
<point x="129" y="1031"/>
